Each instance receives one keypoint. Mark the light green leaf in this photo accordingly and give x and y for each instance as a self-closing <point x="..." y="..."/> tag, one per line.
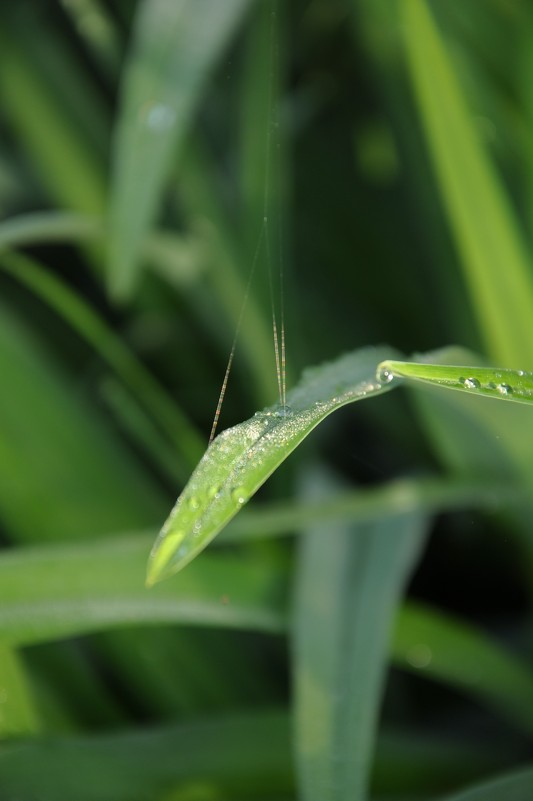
<point x="175" y="44"/>
<point x="494" y="256"/>
<point x="61" y="591"/>
<point x="349" y="583"/>
<point x="17" y="714"/>
<point x="241" y="459"/>
<point x="491" y="382"/>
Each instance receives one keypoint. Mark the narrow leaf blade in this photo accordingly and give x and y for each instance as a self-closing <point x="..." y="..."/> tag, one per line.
<point x="490" y="382"/>
<point x="494" y="256"/>
<point x="349" y="584"/>
<point x="53" y="592"/>
<point x="176" y="43"/>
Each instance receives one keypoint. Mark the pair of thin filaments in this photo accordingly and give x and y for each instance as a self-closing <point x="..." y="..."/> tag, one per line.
<point x="278" y="332"/>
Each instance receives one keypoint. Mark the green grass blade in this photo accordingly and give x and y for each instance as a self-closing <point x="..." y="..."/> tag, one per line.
<point x="18" y="716"/>
<point x="172" y="53"/>
<point x="349" y="584"/>
<point x="516" y="786"/>
<point x="438" y="646"/>
<point x="112" y="350"/>
<point x="494" y="257"/>
<point x="241" y="459"/>
<point x="490" y="382"/>
<point x="363" y="505"/>
<point x="61" y="591"/>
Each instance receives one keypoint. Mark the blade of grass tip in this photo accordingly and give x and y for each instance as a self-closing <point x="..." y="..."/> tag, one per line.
<point x="241" y="459"/>
<point x="18" y="716"/>
<point x="515" y="786"/>
<point x="497" y="269"/>
<point x="107" y="344"/>
<point x="172" y="53"/>
<point x="489" y="382"/>
<point x="441" y="647"/>
<point x="349" y="582"/>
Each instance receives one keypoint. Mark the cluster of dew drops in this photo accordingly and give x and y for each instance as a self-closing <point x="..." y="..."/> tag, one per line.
<point x="385" y="376"/>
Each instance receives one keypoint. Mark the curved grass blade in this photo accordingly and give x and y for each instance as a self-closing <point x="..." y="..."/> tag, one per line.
<point x="491" y="382"/>
<point x="241" y="459"/>
<point x="57" y="591"/>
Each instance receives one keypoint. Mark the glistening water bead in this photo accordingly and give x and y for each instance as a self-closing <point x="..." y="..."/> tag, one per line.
<point x="384" y="375"/>
<point x="470" y="383"/>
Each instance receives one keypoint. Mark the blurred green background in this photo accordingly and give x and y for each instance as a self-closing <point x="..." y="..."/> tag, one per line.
<point x="136" y="142"/>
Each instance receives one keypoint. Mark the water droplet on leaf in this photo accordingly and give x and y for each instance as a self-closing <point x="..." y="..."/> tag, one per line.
<point x="504" y="389"/>
<point x="471" y="383"/>
<point x="384" y="375"/>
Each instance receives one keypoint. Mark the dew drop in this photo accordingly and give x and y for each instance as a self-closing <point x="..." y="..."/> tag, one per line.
<point x="193" y="503"/>
<point x="159" y="117"/>
<point x="504" y="389"/>
<point x="213" y="491"/>
<point x="384" y="375"/>
<point x="471" y="383"/>
<point x="239" y="495"/>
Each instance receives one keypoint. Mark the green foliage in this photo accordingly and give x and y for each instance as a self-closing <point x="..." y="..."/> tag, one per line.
<point x="361" y="630"/>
